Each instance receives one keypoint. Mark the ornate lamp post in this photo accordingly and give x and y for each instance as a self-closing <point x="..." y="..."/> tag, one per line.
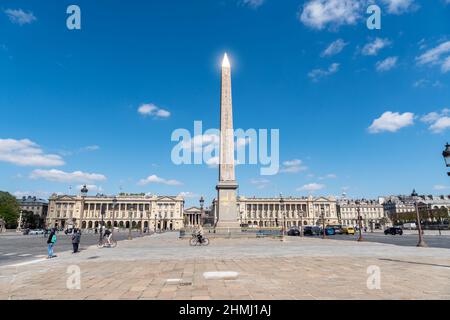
<point x="358" y="210"/>
<point x="84" y="192"/>
<point x="202" y="214"/>
<point x="446" y="155"/>
<point x="421" y="242"/>
<point x="130" y="214"/>
<point x="102" y="223"/>
<point x="284" y="215"/>
<point x="142" y="226"/>
<point x="113" y="215"/>
<point x="324" y="232"/>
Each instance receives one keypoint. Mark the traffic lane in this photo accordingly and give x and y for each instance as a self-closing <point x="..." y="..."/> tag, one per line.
<point x="410" y="240"/>
<point x="25" y="248"/>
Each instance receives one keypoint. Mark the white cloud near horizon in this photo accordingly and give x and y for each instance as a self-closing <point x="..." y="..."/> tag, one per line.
<point x="386" y="64"/>
<point x="334" y="48"/>
<point x="260" y="183"/>
<point x="392" y="122"/>
<point x="439" y="187"/>
<point x="149" y="109"/>
<point x="311" y="187"/>
<point x="438" y="121"/>
<point x="27" y="153"/>
<point x="62" y="176"/>
<point x="155" y="179"/>
<point x="399" y="6"/>
<point x="292" y="166"/>
<point x="188" y="195"/>
<point x="20" y="17"/>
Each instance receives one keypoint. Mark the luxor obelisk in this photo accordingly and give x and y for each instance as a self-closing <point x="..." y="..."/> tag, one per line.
<point x="227" y="214"/>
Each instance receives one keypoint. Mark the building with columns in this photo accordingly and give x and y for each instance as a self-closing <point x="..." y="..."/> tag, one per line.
<point x="371" y="211"/>
<point x="142" y="211"/>
<point x="290" y="211"/>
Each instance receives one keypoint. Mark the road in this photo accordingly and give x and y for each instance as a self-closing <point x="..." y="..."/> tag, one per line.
<point x="408" y="240"/>
<point x="19" y="248"/>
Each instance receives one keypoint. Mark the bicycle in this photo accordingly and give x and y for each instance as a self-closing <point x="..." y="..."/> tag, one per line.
<point x="195" y="241"/>
<point x="105" y="244"/>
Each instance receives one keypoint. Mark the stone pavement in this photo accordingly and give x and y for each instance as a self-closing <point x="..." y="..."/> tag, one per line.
<point x="165" y="267"/>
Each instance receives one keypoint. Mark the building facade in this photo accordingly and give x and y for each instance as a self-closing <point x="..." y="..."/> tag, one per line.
<point x="290" y="211"/>
<point x="371" y="212"/>
<point x="35" y="205"/>
<point x="141" y="211"/>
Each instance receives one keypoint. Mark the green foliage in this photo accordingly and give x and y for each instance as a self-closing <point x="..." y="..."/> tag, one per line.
<point x="9" y="209"/>
<point x="31" y="220"/>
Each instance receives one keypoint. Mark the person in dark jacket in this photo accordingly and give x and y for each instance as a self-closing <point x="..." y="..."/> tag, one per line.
<point x="50" y="243"/>
<point x="76" y="238"/>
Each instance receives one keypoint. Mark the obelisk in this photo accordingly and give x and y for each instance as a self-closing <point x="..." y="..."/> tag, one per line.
<point x="227" y="211"/>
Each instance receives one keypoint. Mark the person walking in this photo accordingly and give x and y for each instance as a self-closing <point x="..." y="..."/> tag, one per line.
<point x="76" y="238"/>
<point x="50" y="243"/>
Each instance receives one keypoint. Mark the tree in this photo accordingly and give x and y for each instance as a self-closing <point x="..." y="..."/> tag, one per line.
<point x="9" y="209"/>
<point x="31" y="220"/>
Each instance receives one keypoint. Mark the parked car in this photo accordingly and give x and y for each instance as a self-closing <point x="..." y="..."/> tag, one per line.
<point x="294" y="232"/>
<point x="311" y="230"/>
<point x="337" y="228"/>
<point x="393" y="231"/>
<point x="348" y="230"/>
<point x="329" y="231"/>
<point x="36" y="232"/>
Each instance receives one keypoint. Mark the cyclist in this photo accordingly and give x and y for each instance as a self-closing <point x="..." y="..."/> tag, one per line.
<point x="107" y="236"/>
<point x="199" y="233"/>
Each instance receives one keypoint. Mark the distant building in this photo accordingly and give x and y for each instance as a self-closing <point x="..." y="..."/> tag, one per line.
<point x="144" y="211"/>
<point x="371" y="212"/>
<point x="35" y="205"/>
<point x="271" y="212"/>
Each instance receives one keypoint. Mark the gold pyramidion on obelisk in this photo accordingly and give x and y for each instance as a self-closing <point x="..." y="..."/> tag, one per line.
<point x="227" y="212"/>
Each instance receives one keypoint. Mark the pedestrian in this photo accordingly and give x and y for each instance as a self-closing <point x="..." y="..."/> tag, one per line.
<point x="76" y="238"/>
<point x="50" y="243"/>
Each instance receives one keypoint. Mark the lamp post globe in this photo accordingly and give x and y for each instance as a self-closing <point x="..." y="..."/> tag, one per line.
<point x="446" y="155"/>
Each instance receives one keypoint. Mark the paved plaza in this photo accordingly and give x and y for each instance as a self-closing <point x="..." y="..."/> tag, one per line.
<point x="162" y="266"/>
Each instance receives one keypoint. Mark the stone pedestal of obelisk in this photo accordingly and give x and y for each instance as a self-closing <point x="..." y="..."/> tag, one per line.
<point x="228" y="219"/>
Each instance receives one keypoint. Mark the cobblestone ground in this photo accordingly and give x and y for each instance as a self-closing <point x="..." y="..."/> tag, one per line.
<point x="299" y="268"/>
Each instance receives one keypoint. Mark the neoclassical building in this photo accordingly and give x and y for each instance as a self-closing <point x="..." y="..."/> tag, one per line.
<point x="288" y="211"/>
<point x="371" y="212"/>
<point x="142" y="211"/>
<point x="33" y="204"/>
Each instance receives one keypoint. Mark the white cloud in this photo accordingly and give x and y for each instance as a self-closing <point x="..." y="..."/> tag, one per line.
<point x="188" y="195"/>
<point x="392" y="122"/>
<point x="334" y="48"/>
<point x="439" y="121"/>
<point x="372" y="48"/>
<point x="213" y="162"/>
<point x="254" y="4"/>
<point x="440" y="125"/>
<point x="319" y="14"/>
<point x="328" y="176"/>
<point x="158" y="180"/>
<point x="61" y="176"/>
<point x="440" y="187"/>
<point x="91" y="148"/>
<point x="437" y="56"/>
<point x="26" y="153"/>
<point x="311" y="187"/>
<point x="293" y="166"/>
<point x="399" y="6"/>
<point x="91" y="187"/>
<point x="149" y="109"/>
<point x="386" y="64"/>
<point x="318" y="74"/>
<point x="20" y="17"/>
<point x="260" y="183"/>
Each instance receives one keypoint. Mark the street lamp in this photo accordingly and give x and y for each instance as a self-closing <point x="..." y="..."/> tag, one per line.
<point x="141" y="223"/>
<point x="102" y="213"/>
<point x="202" y="203"/>
<point x="324" y="232"/>
<point x="358" y="210"/>
<point x="84" y="191"/>
<point x="130" y="214"/>
<point x="284" y="217"/>
<point x="421" y="242"/>
<point x="113" y="215"/>
<point x="446" y="155"/>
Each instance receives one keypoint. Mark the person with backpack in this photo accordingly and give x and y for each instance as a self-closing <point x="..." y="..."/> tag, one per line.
<point x="50" y="243"/>
<point x="76" y="238"/>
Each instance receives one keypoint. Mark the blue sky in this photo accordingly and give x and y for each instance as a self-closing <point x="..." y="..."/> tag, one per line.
<point x="365" y="111"/>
